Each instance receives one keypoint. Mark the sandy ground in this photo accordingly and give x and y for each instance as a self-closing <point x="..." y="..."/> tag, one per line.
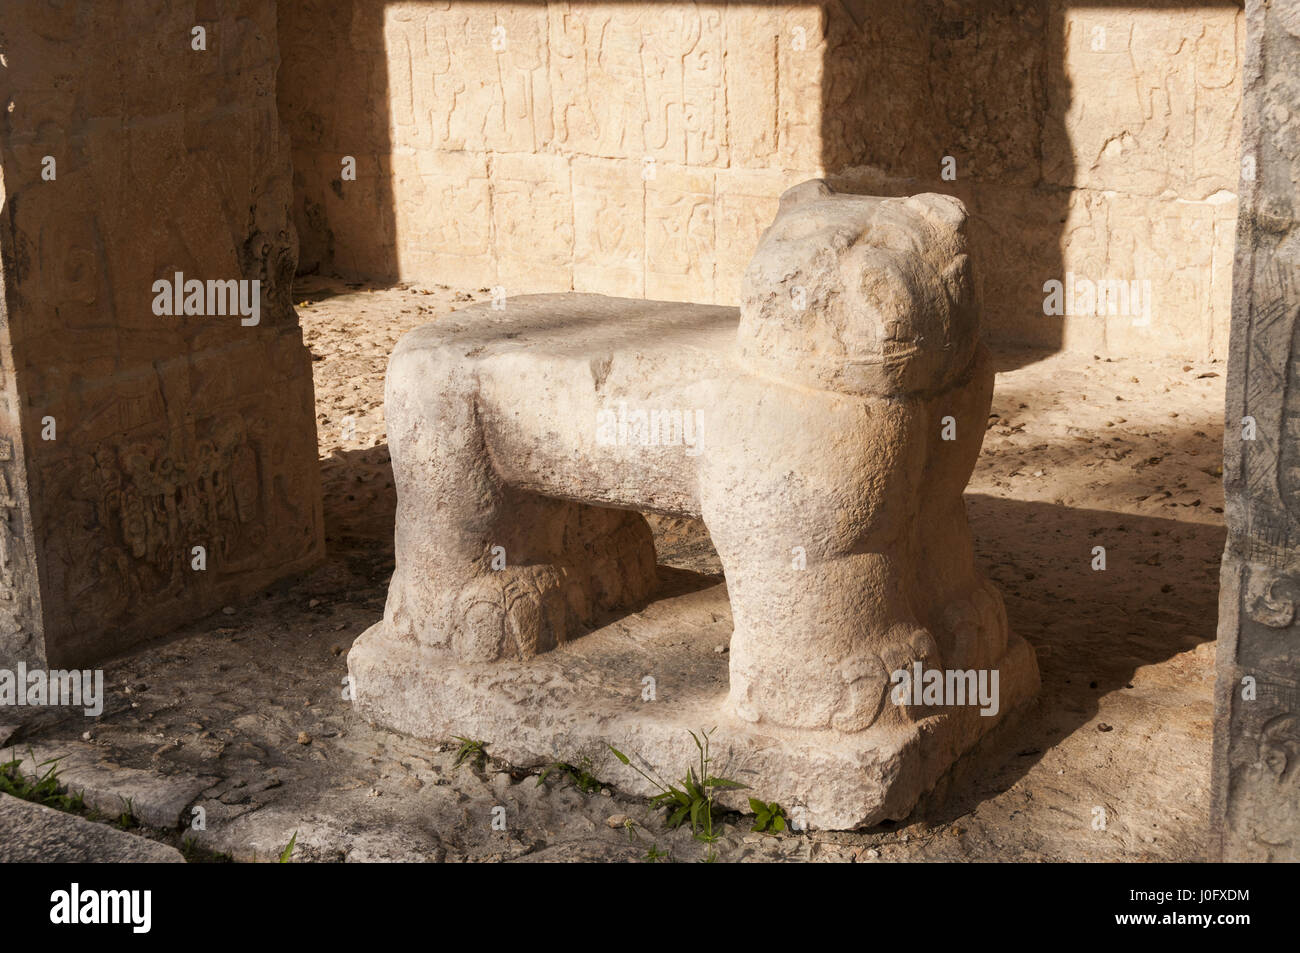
<point x="1110" y="763"/>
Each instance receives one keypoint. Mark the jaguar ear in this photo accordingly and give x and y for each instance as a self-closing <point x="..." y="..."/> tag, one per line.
<point x="802" y="194"/>
<point x="945" y="218"/>
<point x="959" y="284"/>
<point x="940" y="209"/>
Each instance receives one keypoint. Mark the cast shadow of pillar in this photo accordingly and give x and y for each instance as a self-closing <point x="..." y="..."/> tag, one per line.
<point x="989" y="90"/>
<point x="334" y="95"/>
<point x="968" y="100"/>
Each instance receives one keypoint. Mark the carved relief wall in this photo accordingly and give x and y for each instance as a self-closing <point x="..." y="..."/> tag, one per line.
<point x="136" y="437"/>
<point x="1256" y="773"/>
<point x="638" y="149"/>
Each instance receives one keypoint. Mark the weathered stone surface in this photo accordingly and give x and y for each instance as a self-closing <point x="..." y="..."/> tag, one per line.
<point x="128" y="438"/>
<point x="34" y="834"/>
<point x="824" y="433"/>
<point x="1093" y="141"/>
<point x="1256" y="780"/>
<point x="154" y="799"/>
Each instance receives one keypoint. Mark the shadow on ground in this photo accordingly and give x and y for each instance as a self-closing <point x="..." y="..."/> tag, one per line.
<point x="1093" y="630"/>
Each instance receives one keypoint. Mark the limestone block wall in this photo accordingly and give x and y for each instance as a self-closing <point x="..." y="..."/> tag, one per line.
<point x="129" y="437"/>
<point x="638" y="148"/>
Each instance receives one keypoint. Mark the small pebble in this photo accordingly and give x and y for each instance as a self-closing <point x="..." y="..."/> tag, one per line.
<point x="719" y="649"/>
<point x="615" y="821"/>
<point x="304" y="738"/>
<point x="228" y="610"/>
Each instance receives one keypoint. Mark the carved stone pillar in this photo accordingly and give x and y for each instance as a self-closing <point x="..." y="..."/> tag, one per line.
<point x="1256" y="779"/>
<point x="153" y="465"/>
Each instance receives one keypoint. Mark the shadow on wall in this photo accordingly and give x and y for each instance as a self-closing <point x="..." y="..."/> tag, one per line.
<point x="987" y="90"/>
<point x="968" y="100"/>
<point x="911" y="90"/>
<point x="333" y="93"/>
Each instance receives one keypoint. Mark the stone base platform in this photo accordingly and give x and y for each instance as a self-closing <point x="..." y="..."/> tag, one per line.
<point x="596" y="691"/>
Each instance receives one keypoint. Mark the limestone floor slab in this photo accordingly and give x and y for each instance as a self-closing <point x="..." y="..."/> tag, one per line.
<point x="157" y="800"/>
<point x="33" y="833"/>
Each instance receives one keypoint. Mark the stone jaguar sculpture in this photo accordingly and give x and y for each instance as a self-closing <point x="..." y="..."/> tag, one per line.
<point x="824" y="432"/>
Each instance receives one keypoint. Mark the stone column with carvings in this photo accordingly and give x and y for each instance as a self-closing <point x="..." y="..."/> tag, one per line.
<point x="1256" y="772"/>
<point x="156" y="461"/>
